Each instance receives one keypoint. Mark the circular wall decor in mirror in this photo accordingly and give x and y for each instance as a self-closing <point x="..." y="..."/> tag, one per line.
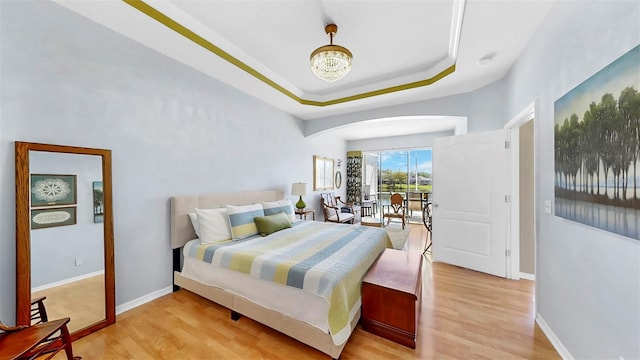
<point x="338" y="180"/>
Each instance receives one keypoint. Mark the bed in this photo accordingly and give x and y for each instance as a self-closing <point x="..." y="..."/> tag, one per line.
<point x="247" y="276"/>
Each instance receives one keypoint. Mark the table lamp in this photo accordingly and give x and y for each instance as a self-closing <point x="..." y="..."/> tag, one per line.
<point x="299" y="189"/>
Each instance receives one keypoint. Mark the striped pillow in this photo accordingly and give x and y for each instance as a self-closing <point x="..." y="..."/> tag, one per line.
<point x="241" y="220"/>
<point x="275" y="207"/>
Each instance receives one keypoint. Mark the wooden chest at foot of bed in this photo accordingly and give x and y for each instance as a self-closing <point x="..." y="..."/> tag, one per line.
<point x="392" y="295"/>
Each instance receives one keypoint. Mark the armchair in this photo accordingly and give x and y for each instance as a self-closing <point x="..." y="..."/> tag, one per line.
<point x="336" y="210"/>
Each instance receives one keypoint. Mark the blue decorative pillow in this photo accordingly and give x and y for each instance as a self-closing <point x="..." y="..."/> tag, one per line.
<point x="241" y="220"/>
<point x="275" y="207"/>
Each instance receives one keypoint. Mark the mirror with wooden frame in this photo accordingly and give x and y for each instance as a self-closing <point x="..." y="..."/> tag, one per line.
<point x="64" y="235"/>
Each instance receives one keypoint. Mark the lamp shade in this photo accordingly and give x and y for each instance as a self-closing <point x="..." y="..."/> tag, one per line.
<point x="299" y="189"/>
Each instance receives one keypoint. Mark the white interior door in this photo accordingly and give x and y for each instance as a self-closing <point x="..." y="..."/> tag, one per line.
<point x="470" y="212"/>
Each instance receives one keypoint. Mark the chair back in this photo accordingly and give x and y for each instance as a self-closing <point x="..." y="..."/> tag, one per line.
<point x="333" y="212"/>
<point x="366" y="190"/>
<point x="397" y="202"/>
<point x="329" y="199"/>
<point x="415" y="201"/>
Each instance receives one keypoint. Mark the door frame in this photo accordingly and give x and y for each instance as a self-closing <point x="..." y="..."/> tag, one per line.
<point x="513" y="231"/>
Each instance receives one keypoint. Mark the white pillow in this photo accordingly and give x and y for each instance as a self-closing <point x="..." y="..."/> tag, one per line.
<point x="213" y="225"/>
<point x="194" y="221"/>
<point x="274" y="207"/>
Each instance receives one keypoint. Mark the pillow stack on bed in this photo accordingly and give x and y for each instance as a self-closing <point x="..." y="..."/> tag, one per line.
<point x="240" y="222"/>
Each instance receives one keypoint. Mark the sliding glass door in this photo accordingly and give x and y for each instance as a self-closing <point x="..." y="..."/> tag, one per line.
<point x="419" y="182"/>
<point x="407" y="172"/>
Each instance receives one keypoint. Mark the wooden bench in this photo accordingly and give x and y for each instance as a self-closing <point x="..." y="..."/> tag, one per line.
<point x="29" y="342"/>
<point x="392" y="296"/>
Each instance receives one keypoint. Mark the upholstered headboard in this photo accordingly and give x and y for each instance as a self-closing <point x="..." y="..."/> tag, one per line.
<point x="181" y="228"/>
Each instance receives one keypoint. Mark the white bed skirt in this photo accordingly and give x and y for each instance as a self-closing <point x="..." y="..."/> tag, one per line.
<point x="290" y="301"/>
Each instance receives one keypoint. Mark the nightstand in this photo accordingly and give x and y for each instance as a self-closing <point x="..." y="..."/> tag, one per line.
<point x="301" y="212"/>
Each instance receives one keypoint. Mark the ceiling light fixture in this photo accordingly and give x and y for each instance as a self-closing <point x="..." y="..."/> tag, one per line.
<point x="331" y="62"/>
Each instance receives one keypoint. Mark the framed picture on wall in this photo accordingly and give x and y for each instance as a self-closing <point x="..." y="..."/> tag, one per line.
<point x="596" y="149"/>
<point x="322" y="173"/>
<point x="53" y="190"/>
<point x="51" y="217"/>
<point x="98" y="202"/>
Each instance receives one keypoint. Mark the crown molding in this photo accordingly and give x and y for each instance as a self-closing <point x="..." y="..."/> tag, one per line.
<point x="449" y="63"/>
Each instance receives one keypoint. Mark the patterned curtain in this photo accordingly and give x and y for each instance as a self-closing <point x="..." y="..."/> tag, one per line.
<point x="354" y="177"/>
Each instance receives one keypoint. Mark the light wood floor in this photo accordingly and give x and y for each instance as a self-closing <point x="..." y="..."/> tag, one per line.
<point x="82" y="301"/>
<point x="465" y="315"/>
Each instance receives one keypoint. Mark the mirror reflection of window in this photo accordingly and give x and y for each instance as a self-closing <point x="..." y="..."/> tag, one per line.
<point x="67" y="260"/>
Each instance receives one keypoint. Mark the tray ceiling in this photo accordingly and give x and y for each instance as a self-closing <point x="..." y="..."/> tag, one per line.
<point x="403" y="51"/>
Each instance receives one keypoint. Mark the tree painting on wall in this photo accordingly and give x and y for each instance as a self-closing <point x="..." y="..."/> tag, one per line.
<point x="597" y="149"/>
<point x="98" y="202"/>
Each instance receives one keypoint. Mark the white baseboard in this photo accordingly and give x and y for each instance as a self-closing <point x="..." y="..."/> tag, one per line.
<point x="562" y="351"/>
<point x="527" y="276"/>
<point x="143" y="300"/>
<point x="66" y="281"/>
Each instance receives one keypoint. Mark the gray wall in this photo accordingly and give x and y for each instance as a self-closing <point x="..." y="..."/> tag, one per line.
<point x="66" y="80"/>
<point x="55" y="249"/>
<point x="588" y="280"/>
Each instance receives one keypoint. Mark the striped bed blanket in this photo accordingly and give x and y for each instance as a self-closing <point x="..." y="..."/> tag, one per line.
<point x="325" y="259"/>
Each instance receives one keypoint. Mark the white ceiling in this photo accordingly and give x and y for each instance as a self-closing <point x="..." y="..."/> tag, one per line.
<point x="394" y="43"/>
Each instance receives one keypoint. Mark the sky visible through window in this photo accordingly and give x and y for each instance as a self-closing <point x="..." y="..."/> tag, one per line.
<point x="397" y="160"/>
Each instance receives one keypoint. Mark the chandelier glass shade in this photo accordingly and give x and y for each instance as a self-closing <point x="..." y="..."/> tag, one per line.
<point x="331" y="62"/>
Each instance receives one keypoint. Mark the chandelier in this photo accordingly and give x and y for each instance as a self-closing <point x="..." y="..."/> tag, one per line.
<point x="331" y="62"/>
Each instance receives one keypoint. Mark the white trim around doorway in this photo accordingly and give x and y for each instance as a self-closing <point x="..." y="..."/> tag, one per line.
<point x="513" y="238"/>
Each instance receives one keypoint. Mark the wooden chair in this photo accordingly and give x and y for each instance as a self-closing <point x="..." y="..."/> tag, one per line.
<point x="38" y="311"/>
<point x="369" y="204"/>
<point x="395" y="210"/>
<point x="336" y="210"/>
<point x="427" y="217"/>
<point x="41" y="338"/>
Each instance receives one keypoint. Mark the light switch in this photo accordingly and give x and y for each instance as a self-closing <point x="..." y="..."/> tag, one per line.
<point x="547" y="206"/>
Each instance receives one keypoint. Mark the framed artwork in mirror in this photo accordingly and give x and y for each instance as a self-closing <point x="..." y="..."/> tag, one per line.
<point x="322" y="173"/>
<point x="51" y="217"/>
<point x="53" y="190"/>
<point x="98" y="202"/>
